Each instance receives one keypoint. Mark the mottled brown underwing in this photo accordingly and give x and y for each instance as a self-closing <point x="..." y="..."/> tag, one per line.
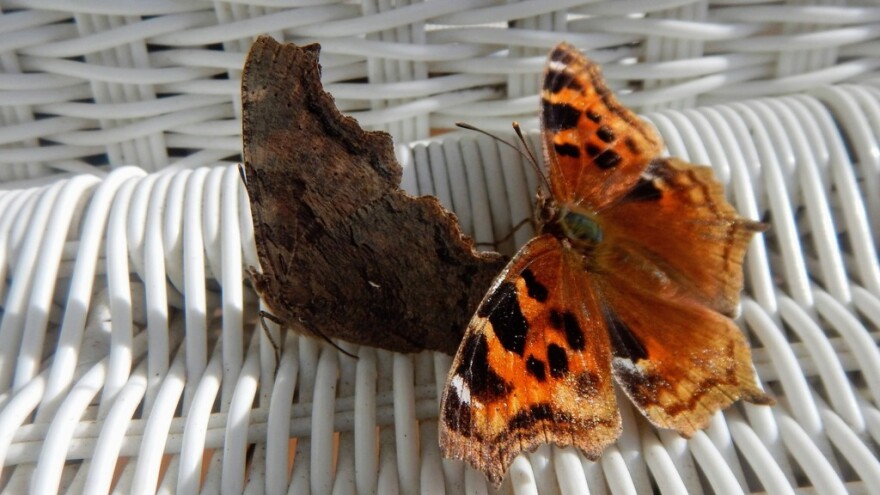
<point x="344" y="252"/>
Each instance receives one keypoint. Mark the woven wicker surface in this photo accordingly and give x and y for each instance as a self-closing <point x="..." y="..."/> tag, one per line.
<point x="130" y="357"/>
<point x="180" y="397"/>
<point x="156" y="83"/>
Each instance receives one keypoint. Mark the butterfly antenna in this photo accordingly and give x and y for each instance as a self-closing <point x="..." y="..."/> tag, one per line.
<point x="527" y="154"/>
<point x="532" y="158"/>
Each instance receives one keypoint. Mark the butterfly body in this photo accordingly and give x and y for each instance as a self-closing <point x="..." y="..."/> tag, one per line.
<point x="631" y="279"/>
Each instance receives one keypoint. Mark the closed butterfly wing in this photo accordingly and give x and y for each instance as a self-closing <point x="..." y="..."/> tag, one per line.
<point x="344" y="252"/>
<point x="534" y="366"/>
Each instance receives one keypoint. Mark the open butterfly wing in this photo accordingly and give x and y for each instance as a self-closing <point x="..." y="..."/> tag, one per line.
<point x="534" y="366"/>
<point x="676" y="222"/>
<point x="676" y="247"/>
<point x="678" y="361"/>
<point x="595" y="148"/>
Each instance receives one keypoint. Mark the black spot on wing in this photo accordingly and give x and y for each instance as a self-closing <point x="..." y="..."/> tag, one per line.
<point x="485" y="385"/>
<point x="592" y="115"/>
<point x="555" y="81"/>
<point x="535" y="367"/>
<point x="561" y="55"/>
<point x="536" y="290"/>
<point x="607" y="159"/>
<point x="557" y="359"/>
<point x="559" y="116"/>
<point x="567" y="150"/>
<point x="503" y="311"/>
<point x="586" y="384"/>
<point x="525" y="420"/>
<point x="568" y="323"/>
<point x="605" y="133"/>
<point x="631" y="145"/>
<point x="457" y="415"/>
<point x="624" y="344"/>
<point x="592" y="150"/>
<point x="644" y="190"/>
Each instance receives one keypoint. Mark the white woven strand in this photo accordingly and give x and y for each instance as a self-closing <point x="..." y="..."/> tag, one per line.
<point x="853" y="208"/>
<point x="197" y="422"/>
<point x="818" y="210"/>
<point x="159" y="416"/>
<point x="827" y="365"/>
<point x="857" y="338"/>
<point x="344" y="477"/>
<point x="814" y="462"/>
<point x="231" y="277"/>
<point x="775" y="150"/>
<point x="82" y="281"/>
<point x="852" y="216"/>
<point x="405" y="425"/>
<point x="63" y="445"/>
<point x="475" y="177"/>
<point x="154" y="276"/>
<point x="616" y="475"/>
<point x="69" y="201"/>
<point x="868" y="165"/>
<point x="17" y="409"/>
<point x="171" y="219"/>
<point x="196" y="310"/>
<point x="10" y="204"/>
<point x="365" y="441"/>
<point x="124" y="312"/>
<point x="848" y="443"/>
<point x="713" y="465"/>
<point x="569" y="473"/>
<point x="628" y="445"/>
<point x="766" y="466"/>
<point x="321" y="439"/>
<point x="792" y="381"/>
<point x="235" y="443"/>
<point x="15" y="306"/>
<point x="659" y="462"/>
<point x="99" y="468"/>
<point x="48" y="472"/>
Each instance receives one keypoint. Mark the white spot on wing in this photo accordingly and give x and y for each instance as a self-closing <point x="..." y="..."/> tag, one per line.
<point x="461" y="389"/>
<point x="557" y="66"/>
<point x="626" y="365"/>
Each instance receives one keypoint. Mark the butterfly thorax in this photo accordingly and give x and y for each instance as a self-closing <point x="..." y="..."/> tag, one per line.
<point x="569" y="222"/>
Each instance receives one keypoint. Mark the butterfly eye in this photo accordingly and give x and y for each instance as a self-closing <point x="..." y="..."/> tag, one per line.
<point x="580" y="227"/>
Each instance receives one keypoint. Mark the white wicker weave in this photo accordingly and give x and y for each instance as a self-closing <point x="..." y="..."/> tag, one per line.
<point x="154" y="83"/>
<point x="129" y="356"/>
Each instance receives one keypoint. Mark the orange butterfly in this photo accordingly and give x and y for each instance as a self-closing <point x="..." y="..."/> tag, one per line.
<point x="634" y="275"/>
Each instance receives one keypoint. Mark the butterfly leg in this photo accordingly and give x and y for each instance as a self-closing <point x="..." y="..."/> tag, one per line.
<point x="507" y="237"/>
<point x="265" y="315"/>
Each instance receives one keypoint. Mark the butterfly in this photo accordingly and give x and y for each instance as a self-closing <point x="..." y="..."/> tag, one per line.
<point x="633" y="278"/>
<point x="344" y="252"/>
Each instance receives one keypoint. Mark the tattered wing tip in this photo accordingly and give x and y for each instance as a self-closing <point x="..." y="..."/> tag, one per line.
<point x="494" y="460"/>
<point x="754" y="226"/>
<point x="758" y="397"/>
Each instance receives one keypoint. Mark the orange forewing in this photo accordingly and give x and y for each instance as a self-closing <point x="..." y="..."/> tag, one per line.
<point x="634" y="275"/>
<point x="595" y="148"/>
<point x="529" y="372"/>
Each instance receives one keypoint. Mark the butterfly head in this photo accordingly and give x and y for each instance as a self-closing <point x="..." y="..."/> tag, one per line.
<point x="569" y="222"/>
